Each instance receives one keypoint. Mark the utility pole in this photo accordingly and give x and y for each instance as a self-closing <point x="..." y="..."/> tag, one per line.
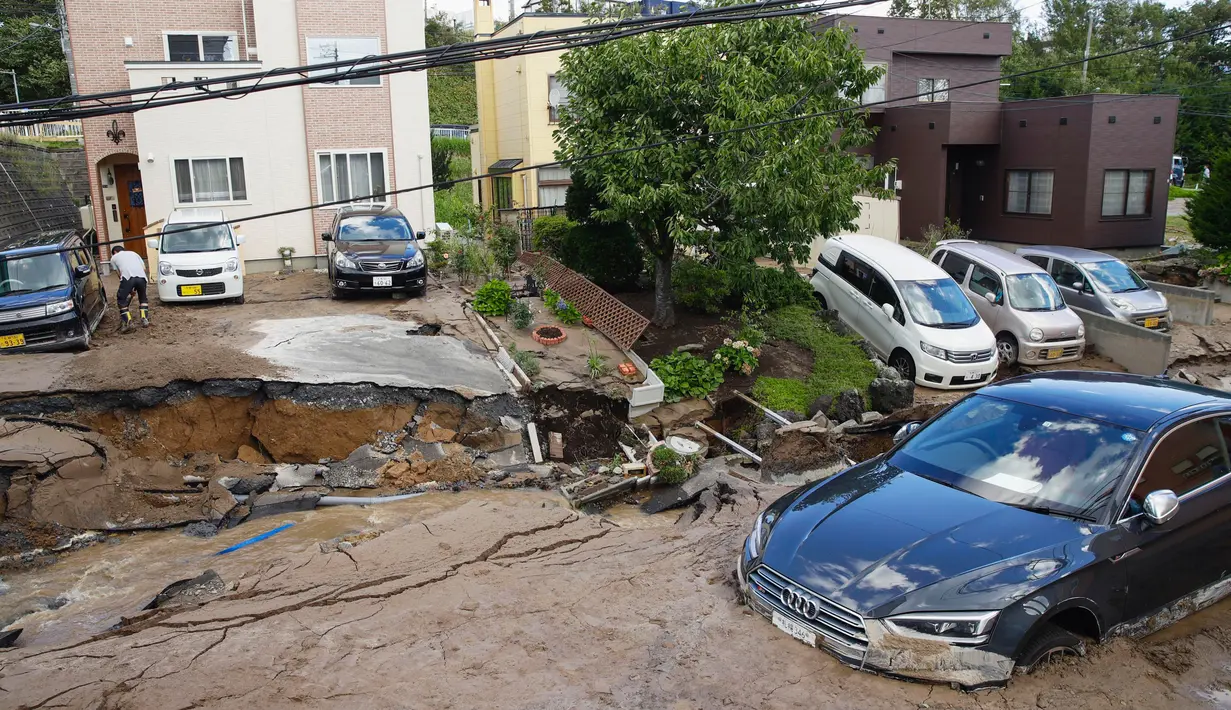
<point x="13" y="73"/>
<point x="67" y="47"/>
<point x="1085" y="61"/>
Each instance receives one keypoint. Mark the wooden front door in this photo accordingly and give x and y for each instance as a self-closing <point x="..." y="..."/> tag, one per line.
<point x="132" y="206"/>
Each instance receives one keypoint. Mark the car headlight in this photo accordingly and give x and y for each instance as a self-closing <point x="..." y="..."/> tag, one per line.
<point x="59" y="307"/>
<point x="1163" y="298"/>
<point x="1081" y="331"/>
<point x="415" y="261"/>
<point x="1036" y="334"/>
<point x="341" y="260"/>
<point x="232" y="265"/>
<point x="934" y="351"/>
<point x="165" y="268"/>
<point x="760" y="532"/>
<point x="1122" y="304"/>
<point x="956" y="627"/>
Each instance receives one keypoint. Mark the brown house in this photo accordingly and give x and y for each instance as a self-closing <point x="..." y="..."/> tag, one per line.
<point x="1087" y="171"/>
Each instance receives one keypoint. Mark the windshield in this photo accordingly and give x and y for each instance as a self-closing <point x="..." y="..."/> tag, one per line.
<point x="1022" y="455"/>
<point x="196" y="238"/>
<point x="33" y="273"/>
<point x="374" y="229"/>
<point x="938" y="304"/>
<point x="1034" y="292"/>
<point x="1115" y="276"/>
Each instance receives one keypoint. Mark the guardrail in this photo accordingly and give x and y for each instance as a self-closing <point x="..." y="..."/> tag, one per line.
<point x="1139" y="350"/>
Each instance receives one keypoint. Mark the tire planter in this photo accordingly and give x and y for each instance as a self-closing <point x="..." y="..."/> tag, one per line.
<point x="548" y="335"/>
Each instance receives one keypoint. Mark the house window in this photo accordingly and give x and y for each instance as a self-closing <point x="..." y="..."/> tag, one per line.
<point x="357" y="176"/>
<point x="200" y="47"/>
<point x="1126" y="193"/>
<point x="557" y="97"/>
<point x="210" y="180"/>
<point x="876" y="92"/>
<point x="933" y="90"/>
<point x="503" y="189"/>
<point x="1029" y="191"/>
<point x="326" y="50"/>
<point x="553" y="186"/>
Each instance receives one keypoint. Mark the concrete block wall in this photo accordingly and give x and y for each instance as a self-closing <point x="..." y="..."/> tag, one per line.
<point x="1188" y="305"/>
<point x="1138" y="350"/>
<point x="33" y="195"/>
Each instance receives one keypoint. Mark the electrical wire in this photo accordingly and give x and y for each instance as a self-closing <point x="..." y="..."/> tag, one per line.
<point x="647" y="146"/>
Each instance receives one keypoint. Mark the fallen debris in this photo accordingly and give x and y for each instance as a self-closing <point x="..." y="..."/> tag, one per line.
<point x="189" y="592"/>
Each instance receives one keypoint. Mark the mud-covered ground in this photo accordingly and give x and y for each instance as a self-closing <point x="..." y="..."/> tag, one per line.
<point x="515" y="601"/>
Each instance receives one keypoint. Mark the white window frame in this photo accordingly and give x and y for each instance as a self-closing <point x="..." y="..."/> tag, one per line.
<point x="175" y="188"/>
<point x="555" y="108"/>
<point x="316" y="167"/>
<point x="930" y="94"/>
<point x="166" y="44"/>
<point x="341" y="83"/>
<point x="878" y="92"/>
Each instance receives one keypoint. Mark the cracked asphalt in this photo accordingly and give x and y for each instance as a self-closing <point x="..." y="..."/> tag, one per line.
<point x="515" y="601"/>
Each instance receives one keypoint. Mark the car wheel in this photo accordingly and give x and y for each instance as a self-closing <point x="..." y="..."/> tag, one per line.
<point x="1006" y="347"/>
<point x="1050" y="643"/>
<point x="901" y="361"/>
<point x="417" y="292"/>
<point x="84" y="345"/>
<point x="238" y="300"/>
<point x="821" y="300"/>
<point x="336" y="295"/>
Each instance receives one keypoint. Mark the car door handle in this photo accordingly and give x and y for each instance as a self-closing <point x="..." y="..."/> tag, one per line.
<point x="1125" y="554"/>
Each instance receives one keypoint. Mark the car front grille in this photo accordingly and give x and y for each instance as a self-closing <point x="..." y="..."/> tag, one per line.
<point x="196" y="273"/>
<point x="841" y="629"/>
<point x="1070" y="351"/>
<point x="1060" y="339"/>
<point x="970" y="356"/>
<point x="379" y="266"/>
<point x="22" y="314"/>
<point x="1161" y="316"/>
<point x="216" y="288"/>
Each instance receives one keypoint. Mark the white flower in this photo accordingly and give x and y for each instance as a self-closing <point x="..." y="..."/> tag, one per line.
<point x="726" y="341"/>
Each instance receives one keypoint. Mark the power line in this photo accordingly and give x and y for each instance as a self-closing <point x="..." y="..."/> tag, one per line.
<point x="416" y="60"/>
<point x="648" y="146"/>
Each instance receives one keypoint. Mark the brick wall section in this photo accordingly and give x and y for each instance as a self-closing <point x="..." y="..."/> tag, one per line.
<point x="33" y="196"/>
<point x="344" y="117"/>
<point x="98" y="29"/>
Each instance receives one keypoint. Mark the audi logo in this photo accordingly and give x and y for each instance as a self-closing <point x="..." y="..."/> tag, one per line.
<point x="800" y="602"/>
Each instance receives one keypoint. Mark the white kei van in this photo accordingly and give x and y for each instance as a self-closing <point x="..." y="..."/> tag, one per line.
<point x="198" y="259"/>
<point x="911" y="312"/>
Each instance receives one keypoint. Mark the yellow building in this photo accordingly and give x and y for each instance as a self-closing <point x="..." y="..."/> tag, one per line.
<point x="518" y="99"/>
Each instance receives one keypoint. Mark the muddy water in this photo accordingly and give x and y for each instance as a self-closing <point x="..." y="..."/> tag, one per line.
<point x="102" y="583"/>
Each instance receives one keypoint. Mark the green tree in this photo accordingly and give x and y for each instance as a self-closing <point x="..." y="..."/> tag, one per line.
<point x="451" y="89"/>
<point x="763" y="192"/>
<point x="967" y="10"/>
<point x="33" y="52"/>
<point x="1209" y="213"/>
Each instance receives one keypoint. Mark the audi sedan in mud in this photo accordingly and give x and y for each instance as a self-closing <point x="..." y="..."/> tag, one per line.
<point x="1026" y="519"/>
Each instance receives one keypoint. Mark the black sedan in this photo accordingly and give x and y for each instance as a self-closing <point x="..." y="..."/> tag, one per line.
<point x="1026" y="519"/>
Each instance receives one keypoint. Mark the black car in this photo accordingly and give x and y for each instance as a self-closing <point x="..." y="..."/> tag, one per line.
<point x="1031" y="516"/>
<point x="372" y="248"/>
<point x="51" y="297"/>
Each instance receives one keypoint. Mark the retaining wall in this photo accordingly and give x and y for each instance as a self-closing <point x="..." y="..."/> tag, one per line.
<point x="1136" y="349"/>
<point x="33" y="195"/>
<point x="1188" y="305"/>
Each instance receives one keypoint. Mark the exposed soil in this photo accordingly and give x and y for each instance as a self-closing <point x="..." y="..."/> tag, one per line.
<point x="690" y="327"/>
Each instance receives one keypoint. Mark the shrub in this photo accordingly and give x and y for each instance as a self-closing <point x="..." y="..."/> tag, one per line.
<point x="527" y="361"/>
<point x="494" y="298"/>
<point x="548" y="233"/>
<point x="686" y="376"/>
<point x="472" y="259"/>
<point x="504" y="246"/>
<point x="596" y="363"/>
<point x="737" y="355"/>
<point x="770" y="289"/>
<point x="551" y="298"/>
<point x="749" y="332"/>
<point x="700" y="286"/>
<point x="672" y="467"/>
<point x="1209" y="213"/>
<point x="567" y="314"/>
<point x="610" y="255"/>
<point x="520" y="314"/>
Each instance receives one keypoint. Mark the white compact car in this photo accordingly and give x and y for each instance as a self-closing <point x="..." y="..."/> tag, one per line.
<point x="911" y="312"/>
<point x="198" y="258"/>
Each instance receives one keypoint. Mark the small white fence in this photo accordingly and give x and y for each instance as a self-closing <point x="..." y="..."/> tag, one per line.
<point x="52" y="130"/>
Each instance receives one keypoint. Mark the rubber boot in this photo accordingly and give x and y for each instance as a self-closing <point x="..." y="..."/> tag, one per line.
<point x="145" y="316"/>
<point x="126" y="321"/>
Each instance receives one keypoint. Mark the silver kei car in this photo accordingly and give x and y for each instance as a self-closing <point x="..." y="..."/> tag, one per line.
<point x="1103" y="284"/>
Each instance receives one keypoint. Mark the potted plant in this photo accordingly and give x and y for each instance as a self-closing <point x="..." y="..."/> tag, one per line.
<point x="286" y="253"/>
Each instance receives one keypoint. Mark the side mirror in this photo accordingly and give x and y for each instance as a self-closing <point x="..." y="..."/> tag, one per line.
<point x="420" y="235"/>
<point x="888" y="309"/>
<point x="326" y="237"/>
<point x="907" y="429"/>
<point x="991" y="298"/>
<point x="82" y="271"/>
<point x="240" y="239"/>
<point x="1077" y="285"/>
<point x="1161" y="506"/>
<point x="153" y="243"/>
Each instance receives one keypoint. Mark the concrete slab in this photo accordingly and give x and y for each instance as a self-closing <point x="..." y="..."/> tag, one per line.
<point x="370" y="348"/>
<point x="33" y="373"/>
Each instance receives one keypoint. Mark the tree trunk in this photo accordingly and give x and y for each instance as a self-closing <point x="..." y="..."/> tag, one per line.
<point x="664" y="297"/>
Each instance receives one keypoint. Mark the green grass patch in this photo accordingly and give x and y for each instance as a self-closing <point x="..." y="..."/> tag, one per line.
<point x="1175" y="193"/>
<point x="1177" y="228"/>
<point x="838" y="363"/>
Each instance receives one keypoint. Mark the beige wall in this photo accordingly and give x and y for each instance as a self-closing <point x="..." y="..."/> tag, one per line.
<point x="878" y="218"/>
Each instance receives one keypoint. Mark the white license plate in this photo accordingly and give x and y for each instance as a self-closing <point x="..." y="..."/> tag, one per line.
<point x="795" y="629"/>
<point x="379" y="281"/>
<point x="972" y="375"/>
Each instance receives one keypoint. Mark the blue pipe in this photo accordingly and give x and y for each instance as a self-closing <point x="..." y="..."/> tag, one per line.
<point x="251" y="540"/>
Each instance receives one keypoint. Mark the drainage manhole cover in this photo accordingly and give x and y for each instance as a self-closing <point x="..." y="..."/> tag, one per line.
<point x="685" y="447"/>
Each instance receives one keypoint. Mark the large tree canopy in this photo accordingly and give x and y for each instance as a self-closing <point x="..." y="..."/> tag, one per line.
<point x="33" y="52"/>
<point x="763" y="192"/>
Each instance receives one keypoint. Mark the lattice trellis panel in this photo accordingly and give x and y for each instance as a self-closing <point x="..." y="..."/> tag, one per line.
<point x="611" y="317"/>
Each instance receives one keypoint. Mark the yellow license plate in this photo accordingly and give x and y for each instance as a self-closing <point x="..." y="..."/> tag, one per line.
<point x="12" y="341"/>
<point x="1054" y="353"/>
<point x="1151" y="322"/>
<point x="190" y="290"/>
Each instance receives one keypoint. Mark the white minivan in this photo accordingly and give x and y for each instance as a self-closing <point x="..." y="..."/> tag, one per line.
<point x="908" y="309"/>
<point x="198" y="258"/>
